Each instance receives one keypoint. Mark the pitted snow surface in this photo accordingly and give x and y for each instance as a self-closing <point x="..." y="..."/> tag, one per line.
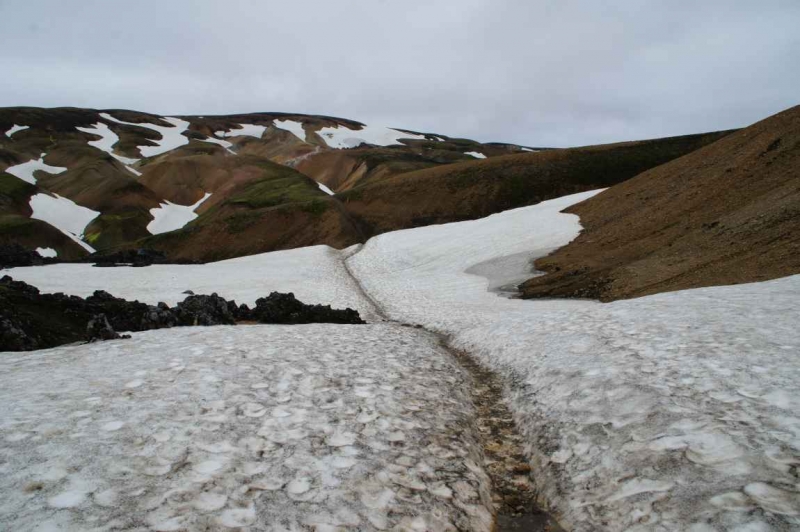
<point x="341" y="137"/>
<point x="322" y="427"/>
<point x="106" y="143"/>
<point x="63" y="214"/>
<point x="315" y="275"/>
<point x="170" y="216"/>
<point x="296" y="128"/>
<point x="171" y="136"/>
<point x="25" y="171"/>
<point x="679" y="411"/>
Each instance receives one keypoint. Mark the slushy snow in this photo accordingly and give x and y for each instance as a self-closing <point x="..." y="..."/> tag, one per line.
<point x="296" y="128"/>
<point x="341" y="137"/>
<point x="25" y="171"/>
<point x="248" y="130"/>
<point x="476" y="154"/>
<point x="63" y="214"/>
<point x="263" y="426"/>
<point x="170" y="216"/>
<point x="15" y="128"/>
<point x="171" y="136"/>
<point x="106" y="143"/>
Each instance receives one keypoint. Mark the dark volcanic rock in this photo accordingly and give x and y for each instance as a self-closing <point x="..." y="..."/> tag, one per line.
<point x="129" y="257"/>
<point x="12" y="255"/>
<point x="204" y="310"/>
<point x="285" y="308"/>
<point x="98" y="329"/>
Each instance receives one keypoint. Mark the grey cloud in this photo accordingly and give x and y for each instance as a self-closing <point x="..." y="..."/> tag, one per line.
<point x="554" y="73"/>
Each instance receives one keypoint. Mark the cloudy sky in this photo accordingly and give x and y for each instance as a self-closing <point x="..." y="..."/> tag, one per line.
<point x="535" y="72"/>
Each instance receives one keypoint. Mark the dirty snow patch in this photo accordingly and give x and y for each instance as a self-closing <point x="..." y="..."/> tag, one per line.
<point x="171" y="216"/>
<point x="341" y="137"/>
<point x="325" y="189"/>
<point x="63" y="214"/>
<point x="25" y="171"/>
<point x="171" y="136"/>
<point x="476" y="154"/>
<point x="247" y="130"/>
<point x="296" y="128"/>
<point x="47" y="252"/>
<point x="15" y="128"/>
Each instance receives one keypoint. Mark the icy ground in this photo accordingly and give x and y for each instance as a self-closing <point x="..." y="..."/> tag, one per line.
<point x="259" y="427"/>
<point x="63" y="214"/>
<point x="170" y="216"/>
<point x="25" y="171"/>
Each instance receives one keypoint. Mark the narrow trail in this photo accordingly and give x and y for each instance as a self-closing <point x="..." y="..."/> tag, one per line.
<point x="513" y="495"/>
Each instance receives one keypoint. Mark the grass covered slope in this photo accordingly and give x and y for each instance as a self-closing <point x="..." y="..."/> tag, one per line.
<point x="728" y="213"/>
<point x="474" y="189"/>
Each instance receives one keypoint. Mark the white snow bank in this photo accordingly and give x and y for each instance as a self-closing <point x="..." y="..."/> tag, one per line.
<point x="323" y="427"/>
<point x="341" y="137"/>
<point x="296" y="128"/>
<point x="224" y="143"/>
<point x="25" y="171"/>
<point x="13" y="129"/>
<point x="249" y="130"/>
<point x="315" y="275"/>
<point x="679" y="411"/>
<point x="171" y="216"/>
<point x="529" y="149"/>
<point x="325" y="189"/>
<point x="47" y="252"/>
<point x="171" y="136"/>
<point x="106" y="143"/>
<point x="63" y="214"/>
<point x="476" y="154"/>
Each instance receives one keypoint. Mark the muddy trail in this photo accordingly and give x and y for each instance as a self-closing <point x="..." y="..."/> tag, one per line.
<point x="513" y="495"/>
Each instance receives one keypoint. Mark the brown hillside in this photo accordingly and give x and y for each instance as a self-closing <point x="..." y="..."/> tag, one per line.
<point x="728" y="213"/>
<point x="474" y="189"/>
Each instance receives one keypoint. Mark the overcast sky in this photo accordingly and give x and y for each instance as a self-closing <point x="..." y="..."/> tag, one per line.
<point x="534" y="72"/>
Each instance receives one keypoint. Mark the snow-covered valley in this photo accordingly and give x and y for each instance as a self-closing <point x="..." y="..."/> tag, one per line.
<point x="670" y="412"/>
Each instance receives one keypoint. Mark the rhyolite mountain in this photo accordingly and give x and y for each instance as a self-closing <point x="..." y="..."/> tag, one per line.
<point x="201" y="188"/>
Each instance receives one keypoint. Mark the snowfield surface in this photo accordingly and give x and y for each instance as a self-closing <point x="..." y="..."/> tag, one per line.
<point x="263" y="427"/>
<point x="13" y="129"/>
<point x="63" y="214"/>
<point x="106" y="143"/>
<point x="25" y="171"/>
<point x="296" y="128"/>
<point x="171" y="136"/>
<point x="249" y="130"/>
<point x="47" y="252"/>
<point x="315" y="275"/>
<point x="679" y="411"/>
<point x="476" y="154"/>
<point x="224" y="143"/>
<point x="341" y="137"/>
<point x="171" y="217"/>
<point x="325" y="189"/>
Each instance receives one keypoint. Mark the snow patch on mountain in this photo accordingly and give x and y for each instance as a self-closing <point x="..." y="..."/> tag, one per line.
<point x="678" y="411"/>
<point x="171" y="136"/>
<point x="224" y="143"/>
<point x="248" y="130"/>
<point x="25" y="171"/>
<point x="15" y="128"/>
<point x="296" y="128"/>
<point x="171" y="216"/>
<point x="323" y="427"/>
<point x="47" y="252"/>
<point x="342" y="137"/>
<point x="476" y="154"/>
<point x="325" y="189"/>
<point x="106" y="143"/>
<point x="63" y="214"/>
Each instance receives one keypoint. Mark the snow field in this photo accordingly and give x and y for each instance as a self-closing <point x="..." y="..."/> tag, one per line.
<point x="249" y="130"/>
<point x="341" y="137"/>
<point x="325" y="189"/>
<point x="476" y="154"/>
<point x="315" y="275"/>
<point x="25" y="171"/>
<point x="294" y="127"/>
<point x="270" y="427"/>
<point x="47" y="252"/>
<point x="171" y="136"/>
<point x="63" y="214"/>
<point x="672" y="412"/>
<point x="171" y="217"/>
<point x="106" y="143"/>
<point x="224" y="143"/>
<point x="15" y="128"/>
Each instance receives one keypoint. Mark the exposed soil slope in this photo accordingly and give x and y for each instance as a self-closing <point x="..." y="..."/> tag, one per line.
<point x="728" y="213"/>
<point x="475" y="189"/>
